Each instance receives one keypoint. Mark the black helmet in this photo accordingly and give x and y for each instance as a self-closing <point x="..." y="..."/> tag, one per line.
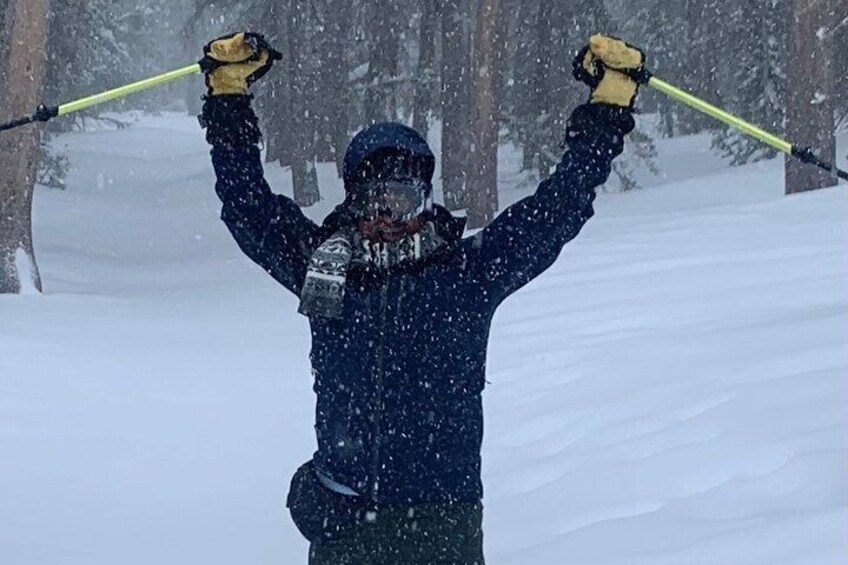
<point x="389" y="164"/>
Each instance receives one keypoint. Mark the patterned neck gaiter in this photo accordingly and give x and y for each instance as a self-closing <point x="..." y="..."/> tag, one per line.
<point x="326" y="277"/>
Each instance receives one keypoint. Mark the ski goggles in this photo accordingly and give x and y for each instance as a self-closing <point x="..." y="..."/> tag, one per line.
<point x="400" y="199"/>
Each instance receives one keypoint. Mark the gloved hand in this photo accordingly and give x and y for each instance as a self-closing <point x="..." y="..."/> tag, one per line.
<point x="612" y="69"/>
<point x="234" y="62"/>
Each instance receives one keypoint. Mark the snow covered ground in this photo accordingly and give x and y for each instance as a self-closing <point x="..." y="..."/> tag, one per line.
<point x="672" y="391"/>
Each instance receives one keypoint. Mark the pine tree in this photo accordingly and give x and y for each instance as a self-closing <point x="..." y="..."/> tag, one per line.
<point x="100" y="44"/>
<point x="685" y="44"/>
<point x="545" y="91"/>
<point x="96" y="45"/>
<point x="664" y="54"/>
<point x="705" y="50"/>
<point x="756" y="81"/>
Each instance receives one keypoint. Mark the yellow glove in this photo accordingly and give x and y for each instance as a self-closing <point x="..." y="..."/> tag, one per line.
<point x="234" y="62"/>
<point x="612" y="68"/>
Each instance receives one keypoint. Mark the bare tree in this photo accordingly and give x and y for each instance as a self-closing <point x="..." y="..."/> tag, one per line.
<point x="811" y="120"/>
<point x="483" y="178"/>
<point x="19" y="149"/>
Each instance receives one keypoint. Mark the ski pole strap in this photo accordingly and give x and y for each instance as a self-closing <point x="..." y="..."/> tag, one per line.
<point x="804" y="153"/>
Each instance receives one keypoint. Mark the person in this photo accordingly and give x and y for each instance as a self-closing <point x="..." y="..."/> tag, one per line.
<point x="400" y="306"/>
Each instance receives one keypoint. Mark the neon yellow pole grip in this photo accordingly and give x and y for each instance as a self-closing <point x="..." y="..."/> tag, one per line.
<point x="128" y="89"/>
<point x="721" y="115"/>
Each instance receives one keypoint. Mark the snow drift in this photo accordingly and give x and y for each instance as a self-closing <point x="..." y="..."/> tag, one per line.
<point x="672" y="391"/>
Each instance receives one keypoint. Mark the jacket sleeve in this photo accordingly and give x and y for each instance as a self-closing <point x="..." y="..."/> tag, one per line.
<point x="269" y="228"/>
<point x="526" y="238"/>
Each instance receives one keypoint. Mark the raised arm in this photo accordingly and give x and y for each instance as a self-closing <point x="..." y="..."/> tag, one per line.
<point x="268" y="227"/>
<point x="526" y="238"/>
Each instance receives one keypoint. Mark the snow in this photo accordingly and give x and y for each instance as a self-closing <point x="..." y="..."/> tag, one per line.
<point x="26" y="272"/>
<point x="819" y="98"/>
<point x="672" y="391"/>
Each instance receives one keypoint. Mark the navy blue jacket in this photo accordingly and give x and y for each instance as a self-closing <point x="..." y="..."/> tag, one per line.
<point x="399" y="376"/>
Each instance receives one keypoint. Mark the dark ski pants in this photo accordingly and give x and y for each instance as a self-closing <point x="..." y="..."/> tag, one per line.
<point x="429" y="534"/>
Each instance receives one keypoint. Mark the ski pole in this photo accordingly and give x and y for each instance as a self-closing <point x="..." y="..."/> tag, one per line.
<point x="45" y="113"/>
<point x="805" y="154"/>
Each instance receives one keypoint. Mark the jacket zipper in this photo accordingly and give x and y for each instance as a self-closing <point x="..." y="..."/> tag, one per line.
<point x="380" y="404"/>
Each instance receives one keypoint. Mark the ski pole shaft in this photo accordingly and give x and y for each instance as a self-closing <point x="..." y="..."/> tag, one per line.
<point x="128" y="89"/>
<point x="804" y="153"/>
<point x="17" y="123"/>
<point x="44" y="114"/>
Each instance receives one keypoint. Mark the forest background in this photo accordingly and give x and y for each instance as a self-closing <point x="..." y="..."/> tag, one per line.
<point x="349" y="63"/>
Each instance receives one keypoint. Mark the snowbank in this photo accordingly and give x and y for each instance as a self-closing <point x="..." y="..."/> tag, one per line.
<point x="672" y="391"/>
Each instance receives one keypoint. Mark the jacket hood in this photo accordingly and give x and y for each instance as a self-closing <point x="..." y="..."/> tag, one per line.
<point x="386" y="137"/>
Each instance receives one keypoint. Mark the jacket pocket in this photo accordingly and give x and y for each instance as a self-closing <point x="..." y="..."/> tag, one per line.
<point x="321" y="515"/>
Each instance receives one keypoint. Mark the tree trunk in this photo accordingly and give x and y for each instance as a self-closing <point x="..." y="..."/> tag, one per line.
<point x="810" y="97"/>
<point x="5" y="30"/>
<point x="840" y="45"/>
<point x="381" y="102"/>
<point x="339" y="122"/>
<point x="304" y="174"/>
<point x="426" y="60"/>
<point x="542" y="90"/>
<point x="194" y="89"/>
<point x="275" y="103"/>
<point x="525" y="110"/>
<point x="19" y="149"/>
<point x="483" y="180"/>
<point x="456" y="100"/>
